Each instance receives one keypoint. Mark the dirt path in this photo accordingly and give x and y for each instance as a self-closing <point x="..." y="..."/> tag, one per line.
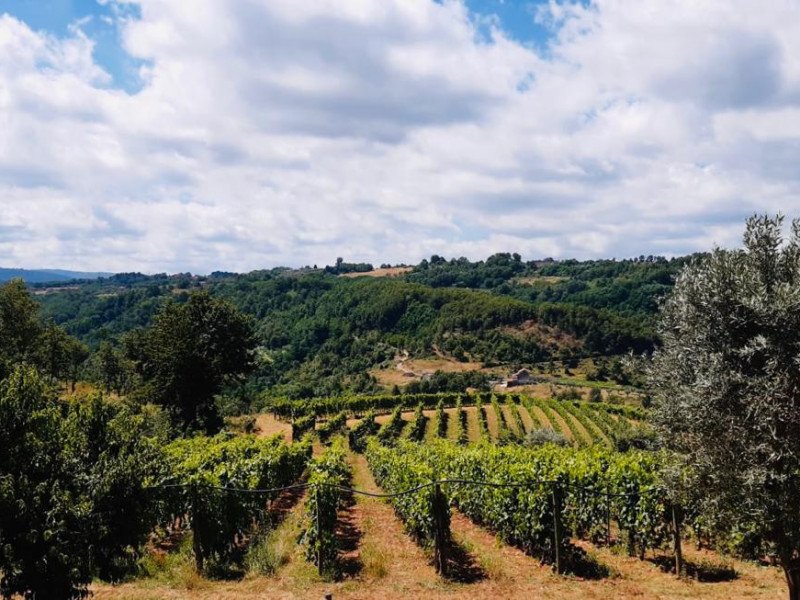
<point x="527" y="422"/>
<point x="510" y="420"/>
<point x="430" y="424"/>
<point x="558" y="423"/>
<point x="452" y="423"/>
<point x="491" y="421"/>
<point x="578" y="429"/>
<point x="539" y="417"/>
<point x="473" y="430"/>
<point x="268" y="426"/>
<point x="385" y="553"/>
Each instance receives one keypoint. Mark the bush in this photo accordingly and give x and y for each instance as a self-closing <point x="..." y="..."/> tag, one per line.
<point x="540" y="437"/>
<point x="636" y="438"/>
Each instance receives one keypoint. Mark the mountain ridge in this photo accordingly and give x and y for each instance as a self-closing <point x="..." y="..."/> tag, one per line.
<point x="47" y="275"/>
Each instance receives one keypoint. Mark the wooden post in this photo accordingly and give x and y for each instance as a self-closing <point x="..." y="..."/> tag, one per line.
<point x="197" y="547"/>
<point x="677" y="517"/>
<point x="557" y="527"/>
<point x="319" y="531"/>
<point x="608" y="516"/>
<point x="439" y="541"/>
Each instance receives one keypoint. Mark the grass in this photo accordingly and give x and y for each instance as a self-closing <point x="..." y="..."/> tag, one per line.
<point x="271" y="550"/>
<point x="375" y="557"/>
<point x="175" y="569"/>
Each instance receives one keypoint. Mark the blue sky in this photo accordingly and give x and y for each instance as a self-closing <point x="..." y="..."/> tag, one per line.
<point x="245" y="134"/>
<point x="100" y="21"/>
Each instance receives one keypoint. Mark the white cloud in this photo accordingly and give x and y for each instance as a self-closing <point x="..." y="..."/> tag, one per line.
<point x="289" y="133"/>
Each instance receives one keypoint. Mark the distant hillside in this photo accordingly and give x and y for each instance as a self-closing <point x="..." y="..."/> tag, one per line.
<point x="324" y="334"/>
<point x="46" y="275"/>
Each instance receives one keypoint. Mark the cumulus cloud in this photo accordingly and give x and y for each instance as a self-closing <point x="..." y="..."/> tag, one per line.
<point x="279" y="132"/>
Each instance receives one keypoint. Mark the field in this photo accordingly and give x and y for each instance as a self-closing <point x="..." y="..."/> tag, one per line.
<point x="385" y="272"/>
<point x="379" y="559"/>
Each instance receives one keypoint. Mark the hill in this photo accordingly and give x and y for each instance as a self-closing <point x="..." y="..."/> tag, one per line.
<point x="46" y="275"/>
<point x="323" y="334"/>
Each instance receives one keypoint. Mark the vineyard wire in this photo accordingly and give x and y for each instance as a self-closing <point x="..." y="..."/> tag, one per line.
<point x="530" y="483"/>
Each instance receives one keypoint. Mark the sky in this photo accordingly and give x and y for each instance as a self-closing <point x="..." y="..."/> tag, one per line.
<point x="156" y="135"/>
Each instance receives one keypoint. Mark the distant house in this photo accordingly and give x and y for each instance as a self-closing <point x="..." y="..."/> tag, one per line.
<point x="521" y="377"/>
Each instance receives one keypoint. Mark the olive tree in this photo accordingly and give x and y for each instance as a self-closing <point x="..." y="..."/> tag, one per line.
<point x="726" y="384"/>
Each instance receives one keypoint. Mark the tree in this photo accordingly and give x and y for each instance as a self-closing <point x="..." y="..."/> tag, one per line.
<point x="726" y="386"/>
<point x="55" y="348"/>
<point x="77" y="355"/>
<point x="189" y="353"/>
<point x="110" y="366"/>
<point x="20" y="328"/>
<point x="72" y="503"/>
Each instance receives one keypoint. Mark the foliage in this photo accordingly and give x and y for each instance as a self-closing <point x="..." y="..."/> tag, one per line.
<point x="594" y="483"/>
<point x="303" y="424"/>
<point x="203" y="466"/>
<point x="332" y="426"/>
<point x="284" y="407"/>
<point x="442" y="381"/>
<point x="396" y="470"/>
<point x="357" y="436"/>
<point x="72" y="499"/>
<point x="391" y="430"/>
<point x="320" y="334"/>
<point x="441" y="420"/>
<point x="24" y="338"/>
<point x="483" y="426"/>
<point x="545" y="435"/>
<point x="461" y="423"/>
<point x="504" y="435"/>
<point x="726" y="385"/>
<point x="324" y="501"/>
<point x="187" y="355"/>
<point x="416" y="430"/>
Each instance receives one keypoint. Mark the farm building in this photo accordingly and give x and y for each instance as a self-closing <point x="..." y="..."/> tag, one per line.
<point x="521" y="377"/>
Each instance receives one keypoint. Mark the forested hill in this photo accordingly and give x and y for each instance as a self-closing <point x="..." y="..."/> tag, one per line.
<point x="321" y="333"/>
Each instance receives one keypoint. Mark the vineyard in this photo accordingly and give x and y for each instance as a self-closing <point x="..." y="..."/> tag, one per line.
<point x="545" y="478"/>
<point x="500" y="418"/>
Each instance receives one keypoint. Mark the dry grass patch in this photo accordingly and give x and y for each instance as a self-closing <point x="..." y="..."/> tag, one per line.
<point x="385" y="272"/>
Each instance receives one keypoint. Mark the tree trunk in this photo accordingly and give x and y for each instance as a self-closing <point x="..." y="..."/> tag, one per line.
<point x="791" y="568"/>
<point x="198" y="551"/>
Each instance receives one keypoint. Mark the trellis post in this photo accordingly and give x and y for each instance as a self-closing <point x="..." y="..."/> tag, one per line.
<point x="557" y="531"/>
<point x="319" y="531"/>
<point x="439" y="541"/>
<point x="608" y="516"/>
